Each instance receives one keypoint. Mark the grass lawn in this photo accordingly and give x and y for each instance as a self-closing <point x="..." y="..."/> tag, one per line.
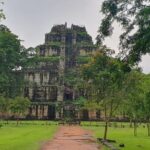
<point x="25" y="136"/>
<point x="124" y="135"/>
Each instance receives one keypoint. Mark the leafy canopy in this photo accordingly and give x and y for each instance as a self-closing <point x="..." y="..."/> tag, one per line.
<point x="12" y="57"/>
<point x="134" y="18"/>
<point x="2" y="16"/>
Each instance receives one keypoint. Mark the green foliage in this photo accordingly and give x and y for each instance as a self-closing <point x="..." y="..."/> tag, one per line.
<point x="105" y="77"/>
<point x="48" y="59"/>
<point x="55" y="45"/>
<point x="33" y="61"/>
<point x="9" y="49"/>
<point x="136" y="98"/>
<point x="105" y="73"/>
<point x="140" y="43"/>
<point x="80" y="103"/>
<point x="19" y="106"/>
<point x="70" y="77"/>
<point x="12" y="57"/>
<point x="133" y="16"/>
<point x="147" y="106"/>
<point x="4" y="106"/>
<point x="134" y="95"/>
<point x="146" y="100"/>
<point x="58" y="28"/>
<point x="2" y="16"/>
<point x="83" y="59"/>
<point x="73" y="78"/>
<point x="82" y="33"/>
<point x="91" y="105"/>
<point x="84" y="37"/>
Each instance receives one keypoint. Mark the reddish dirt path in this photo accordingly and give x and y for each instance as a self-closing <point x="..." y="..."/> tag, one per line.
<point x="72" y="138"/>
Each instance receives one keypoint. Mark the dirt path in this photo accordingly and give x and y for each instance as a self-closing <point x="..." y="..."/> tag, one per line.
<point x="72" y="138"/>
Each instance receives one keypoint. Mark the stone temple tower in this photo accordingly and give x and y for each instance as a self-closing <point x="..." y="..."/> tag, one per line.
<point x="45" y="85"/>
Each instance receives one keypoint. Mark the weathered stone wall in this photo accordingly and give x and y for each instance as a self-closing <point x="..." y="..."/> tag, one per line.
<point x="45" y="80"/>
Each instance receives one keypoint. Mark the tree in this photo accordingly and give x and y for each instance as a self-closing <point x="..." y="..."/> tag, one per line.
<point x="19" y="107"/>
<point x="133" y="16"/>
<point x="2" y="16"/>
<point x="91" y="105"/>
<point x="105" y="75"/>
<point x="147" y="111"/>
<point x="134" y="97"/>
<point x="79" y="105"/>
<point x="12" y="57"/>
<point x="4" y="107"/>
<point x="146" y="101"/>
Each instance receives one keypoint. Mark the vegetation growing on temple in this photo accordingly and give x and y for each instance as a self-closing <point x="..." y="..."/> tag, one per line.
<point x="83" y="59"/>
<point x="69" y="79"/>
<point x="37" y="59"/>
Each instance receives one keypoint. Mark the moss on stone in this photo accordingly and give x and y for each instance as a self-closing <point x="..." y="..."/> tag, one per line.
<point x="83" y="59"/>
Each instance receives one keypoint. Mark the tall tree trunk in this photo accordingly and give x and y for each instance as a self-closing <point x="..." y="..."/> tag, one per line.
<point x="135" y="128"/>
<point x="106" y="124"/>
<point x="121" y="125"/>
<point x="148" y="128"/>
<point x="7" y="116"/>
<point x="130" y="123"/>
<point x="17" y="121"/>
<point x="106" y="130"/>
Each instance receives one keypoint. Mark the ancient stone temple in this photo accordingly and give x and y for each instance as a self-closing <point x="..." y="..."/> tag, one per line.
<point x="45" y="84"/>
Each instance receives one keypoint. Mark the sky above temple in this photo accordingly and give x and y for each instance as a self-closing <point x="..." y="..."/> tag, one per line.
<point x="31" y="19"/>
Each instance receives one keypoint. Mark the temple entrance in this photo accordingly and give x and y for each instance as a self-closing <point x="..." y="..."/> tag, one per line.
<point x="69" y="112"/>
<point x="85" y="115"/>
<point x="51" y="112"/>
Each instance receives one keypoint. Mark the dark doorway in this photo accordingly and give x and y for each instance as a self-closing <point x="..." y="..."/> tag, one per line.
<point x="51" y="112"/>
<point x="68" y="96"/>
<point x="69" y="114"/>
<point x="85" y="115"/>
<point x="98" y="114"/>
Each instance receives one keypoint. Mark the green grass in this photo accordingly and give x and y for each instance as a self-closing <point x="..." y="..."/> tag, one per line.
<point x="124" y="135"/>
<point x="25" y="136"/>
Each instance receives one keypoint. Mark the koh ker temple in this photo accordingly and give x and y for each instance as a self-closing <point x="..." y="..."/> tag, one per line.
<point x="47" y="85"/>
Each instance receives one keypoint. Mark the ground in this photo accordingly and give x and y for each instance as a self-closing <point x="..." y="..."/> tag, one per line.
<point x="37" y="135"/>
<point x="72" y="138"/>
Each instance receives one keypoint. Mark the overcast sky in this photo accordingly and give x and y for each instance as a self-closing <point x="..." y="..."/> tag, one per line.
<point x="31" y="19"/>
